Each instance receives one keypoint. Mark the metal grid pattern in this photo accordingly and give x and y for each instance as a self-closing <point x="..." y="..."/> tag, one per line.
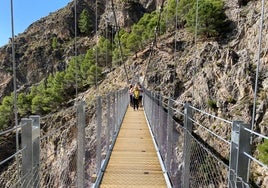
<point x="104" y="128"/>
<point x="189" y="161"/>
<point x="11" y="160"/>
<point x="58" y="154"/>
<point x="134" y="160"/>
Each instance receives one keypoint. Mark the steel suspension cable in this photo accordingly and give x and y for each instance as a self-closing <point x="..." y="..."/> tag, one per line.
<point x="154" y="41"/>
<point x="14" y="83"/>
<point x="257" y="68"/>
<point x="195" y="43"/>
<point x="96" y="48"/>
<point x="75" y="50"/>
<point x="175" y="46"/>
<point x="119" y="42"/>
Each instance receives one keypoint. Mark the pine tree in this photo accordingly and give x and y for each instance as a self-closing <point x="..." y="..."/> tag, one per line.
<point x="84" y="22"/>
<point x="211" y="17"/>
<point x="54" y="43"/>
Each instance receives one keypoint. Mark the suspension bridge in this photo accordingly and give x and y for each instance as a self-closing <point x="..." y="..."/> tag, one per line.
<point x="152" y="147"/>
<point x="166" y="143"/>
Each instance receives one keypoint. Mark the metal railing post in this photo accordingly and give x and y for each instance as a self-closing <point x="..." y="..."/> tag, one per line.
<point x="158" y="122"/>
<point x="36" y="149"/>
<point x="27" y="152"/>
<point x="114" y="115"/>
<point x="117" y="111"/>
<point x="169" y="134"/>
<point x="31" y="151"/>
<point x="99" y="124"/>
<point x="81" y="124"/>
<point x="239" y="162"/>
<point x="188" y="127"/>
<point x="108" y="128"/>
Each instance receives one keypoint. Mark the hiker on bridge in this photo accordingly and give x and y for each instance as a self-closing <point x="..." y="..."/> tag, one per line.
<point x="130" y="92"/>
<point x="140" y="94"/>
<point x="136" y="96"/>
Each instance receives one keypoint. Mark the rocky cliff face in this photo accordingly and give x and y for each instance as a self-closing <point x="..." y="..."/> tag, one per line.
<point x="35" y="57"/>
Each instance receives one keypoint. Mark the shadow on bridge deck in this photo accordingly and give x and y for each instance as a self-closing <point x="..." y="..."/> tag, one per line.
<point x="134" y="161"/>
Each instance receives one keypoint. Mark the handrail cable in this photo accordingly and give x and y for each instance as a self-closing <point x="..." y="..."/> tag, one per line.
<point x="119" y="42"/>
<point x="211" y="132"/>
<point x="256" y="160"/>
<point x="208" y="114"/>
<point x="10" y="130"/>
<point x="10" y="157"/>
<point x="14" y="83"/>
<point x="257" y="68"/>
<point x="154" y="41"/>
<point x="257" y="134"/>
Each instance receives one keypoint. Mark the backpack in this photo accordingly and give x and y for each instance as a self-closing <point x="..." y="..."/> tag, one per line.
<point x="136" y="94"/>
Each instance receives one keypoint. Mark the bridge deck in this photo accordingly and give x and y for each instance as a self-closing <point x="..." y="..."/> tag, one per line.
<point x="134" y="162"/>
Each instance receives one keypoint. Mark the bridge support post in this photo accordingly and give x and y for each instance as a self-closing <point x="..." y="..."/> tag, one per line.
<point x="169" y="134"/>
<point x="36" y="149"/>
<point x="108" y="125"/>
<point x="81" y="124"/>
<point x="113" y="116"/>
<point x="188" y="124"/>
<point x="152" y="111"/>
<point x="31" y="151"/>
<point x="239" y="162"/>
<point x="98" y="136"/>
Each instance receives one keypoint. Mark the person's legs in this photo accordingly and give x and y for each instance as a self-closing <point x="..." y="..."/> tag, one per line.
<point x="140" y="101"/>
<point x="135" y="103"/>
<point x="131" y="100"/>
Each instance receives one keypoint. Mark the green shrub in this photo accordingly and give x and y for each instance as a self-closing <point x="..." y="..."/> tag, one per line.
<point x="263" y="150"/>
<point x="211" y="17"/>
<point x="24" y="104"/>
<point x="212" y="104"/>
<point x="54" y="43"/>
<point x="6" y="111"/>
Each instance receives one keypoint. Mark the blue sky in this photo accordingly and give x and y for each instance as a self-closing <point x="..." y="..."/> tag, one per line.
<point x="25" y="13"/>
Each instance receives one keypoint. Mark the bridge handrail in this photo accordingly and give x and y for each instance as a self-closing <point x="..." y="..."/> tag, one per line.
<point x="10" y="130"/>
<point x="211" y="115"/>
<point x="256" y="160"/>
<point x="159" y="106"/>
<point x="257" y="134"/>
<point x="211" y="132"/>
<point x="10" y="157"/>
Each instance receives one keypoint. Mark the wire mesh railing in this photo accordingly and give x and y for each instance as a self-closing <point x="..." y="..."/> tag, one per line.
<point x="200" y="149"/>
<point x="188" y="162"/>
<point x="67" y="151"/>
<point x="10" y="158"/>
<point x="109" y="116"/>
<point x="58" y="153"/>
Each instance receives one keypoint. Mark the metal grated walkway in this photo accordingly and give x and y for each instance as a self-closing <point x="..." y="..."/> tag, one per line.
<point x="134" y="162"/>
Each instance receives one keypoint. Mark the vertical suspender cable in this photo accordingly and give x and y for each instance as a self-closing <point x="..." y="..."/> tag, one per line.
<point x="75" y="50"/>
<point x="96" y="48"/>
<point x="14" y="83"/>
<point x="106" y="46"/>
<point x="119" y="42"/>
<point x="154" y="41"/>
<point x="175" y="45"/>
<point x="195" y="43"/>
<point x="258" y="65"/>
